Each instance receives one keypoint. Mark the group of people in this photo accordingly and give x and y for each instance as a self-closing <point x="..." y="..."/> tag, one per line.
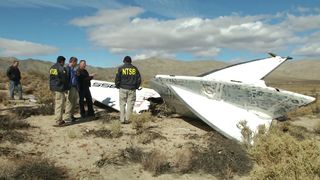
<point x="70" y="83"/>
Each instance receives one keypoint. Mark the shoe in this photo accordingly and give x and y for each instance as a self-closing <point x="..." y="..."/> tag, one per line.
<point x="60" y="123"/>
<point x="125" y="122"/>
<point x="73" y="119"/>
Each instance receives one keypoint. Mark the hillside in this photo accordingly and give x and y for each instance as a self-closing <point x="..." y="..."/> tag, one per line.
<point x="295" y="70"/>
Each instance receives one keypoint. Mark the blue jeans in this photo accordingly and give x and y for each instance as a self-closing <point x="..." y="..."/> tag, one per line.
<point x="15" y="85"/>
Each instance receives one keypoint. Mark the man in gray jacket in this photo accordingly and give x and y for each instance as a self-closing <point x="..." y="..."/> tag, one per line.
<point x="128" y="79"/>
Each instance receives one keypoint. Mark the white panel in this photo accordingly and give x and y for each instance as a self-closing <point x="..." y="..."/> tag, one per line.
<point x="106" y="93"/>
<point x="220" y="115"/>
<point x="248" y="72"/>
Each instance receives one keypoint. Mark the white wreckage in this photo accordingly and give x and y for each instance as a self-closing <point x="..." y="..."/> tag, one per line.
<point x="222" y="98"/>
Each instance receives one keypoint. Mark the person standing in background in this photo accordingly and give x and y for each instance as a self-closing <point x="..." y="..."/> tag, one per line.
<point x="58" y="83"/>
<point x="14" y="75"/>
<point x="72" y="97"/>
<point x="127" y="79"/>
<point x="84" y="79"/>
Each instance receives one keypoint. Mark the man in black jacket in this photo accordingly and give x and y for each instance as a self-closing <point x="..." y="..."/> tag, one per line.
<point x="14" y="76"/>
<point x="59" y="84"/>
<point x="128" y="79"/>
<point x="84" y="83"/>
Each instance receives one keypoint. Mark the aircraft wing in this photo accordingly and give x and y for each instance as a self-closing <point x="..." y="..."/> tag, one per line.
<point x="220" y="115"/>
<point x="107" y="93"/>
<point x="247" y="72"/>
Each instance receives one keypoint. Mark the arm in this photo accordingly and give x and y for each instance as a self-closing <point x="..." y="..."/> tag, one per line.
<point x="117" y="79"/>
<point x="138" y="79"/>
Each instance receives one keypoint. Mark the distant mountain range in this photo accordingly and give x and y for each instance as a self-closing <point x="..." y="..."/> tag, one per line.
<point x="294" y="70"/>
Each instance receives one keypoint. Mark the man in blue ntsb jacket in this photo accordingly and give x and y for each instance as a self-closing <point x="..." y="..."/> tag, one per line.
<point x="72" y="97"/>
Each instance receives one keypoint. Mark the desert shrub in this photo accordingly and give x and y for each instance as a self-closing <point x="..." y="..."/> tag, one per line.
<point x="130" y="154"/>
<point x="3" y="98"/>
<point x="246" y="132"/>
<point x="13" y="136"/>
<point x="159" y="108"/>
<point x="133" y="154"/>
<point x="140" y="121"/>
<point x="12" y="121"/>
<point x="115" y="128"/>
<point x="317" y="128"/>
<point x="156" y="162"/>
<point x="39" y="169"/>
<point x="3" y="86"/>
<point x="221" y="157"/>
<point x="45" y="98"/>
<point x="148" y="136"/>
<point x="282" y="156"/>
<point x="103" y="132"/>
<point x="5" y="151"/>
<point x="183" y="160"/>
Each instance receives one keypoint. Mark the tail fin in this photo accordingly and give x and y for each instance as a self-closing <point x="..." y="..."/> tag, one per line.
<point x="248" y="72"/>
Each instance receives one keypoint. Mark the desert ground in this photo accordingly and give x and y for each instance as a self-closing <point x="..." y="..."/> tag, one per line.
<point x="155" y="145"/>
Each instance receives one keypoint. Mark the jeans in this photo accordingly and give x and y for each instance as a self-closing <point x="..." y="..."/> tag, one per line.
<point x="15" y="85"/>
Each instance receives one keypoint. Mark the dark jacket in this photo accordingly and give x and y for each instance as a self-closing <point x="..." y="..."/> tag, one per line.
<point x="59" y="79"/>
<point x="83" y="79"/>
<point x="14" y="74"/>
<point x="128" y="77"/>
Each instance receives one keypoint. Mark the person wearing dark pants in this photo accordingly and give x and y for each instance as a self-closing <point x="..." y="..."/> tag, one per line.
<point x="14" y="76"/>
<point x="84" y="83"/>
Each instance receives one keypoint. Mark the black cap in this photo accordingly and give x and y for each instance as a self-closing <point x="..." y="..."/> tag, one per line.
<point x="127" y="59"/>
<point x="61" y="59"/>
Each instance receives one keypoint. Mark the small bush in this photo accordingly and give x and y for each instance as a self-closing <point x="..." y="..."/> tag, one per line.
<point x="282" y="156"/>
<point x="13" y="136"/>
<point x="4" y="98"/>
<point x="140" y="121"/>
<point x="156" y="162"/>
<point x="246" y="132"/>
<point x="39" y="169"/>
<point x="12" y="121"/>
<point x="3" y="86"/>
<point x="106" y="133"/>
<point x="317" y="128"/>
<point x="115" y="128"/>
<point x="221" y="157"/>
<point x="148" y="136"/>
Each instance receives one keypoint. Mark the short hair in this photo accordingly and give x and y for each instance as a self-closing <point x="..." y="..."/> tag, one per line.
<point x="127" y="59"/>
<point x="82" y="61"/>
<point x="14" y="61"/>
<point x="61" y="59"/>
<point x="72" y="59"/>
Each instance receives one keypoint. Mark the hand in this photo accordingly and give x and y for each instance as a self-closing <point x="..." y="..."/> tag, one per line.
<point x="93" y="74"/>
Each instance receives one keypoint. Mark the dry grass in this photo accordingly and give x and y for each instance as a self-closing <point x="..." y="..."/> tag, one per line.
<point x="141" y="121"/>
<point x="156" y="162"/>
<point x="246" y="132"/>
<point x="280" y="155"/>
<point x="3" y="86"/>
<point x="30" y="169"/>
<point x="12" y="121"/>
<point x="317" y="128"/>
<point x="148" y="136"/>
<point x="4" y="98"/>
<point x="114" y="132"/>
<point x="220" y="157"/>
